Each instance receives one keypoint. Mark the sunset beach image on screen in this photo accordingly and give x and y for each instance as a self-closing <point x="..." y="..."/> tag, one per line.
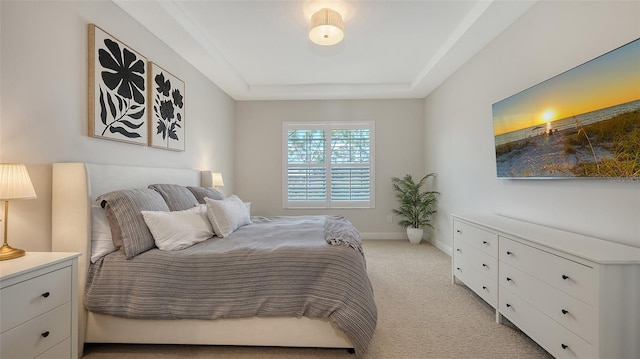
<point x="584" y="122"/>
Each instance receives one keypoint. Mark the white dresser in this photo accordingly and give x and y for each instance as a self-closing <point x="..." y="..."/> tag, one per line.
<point x="576" y="296"/>
<point x="38" y="306"/>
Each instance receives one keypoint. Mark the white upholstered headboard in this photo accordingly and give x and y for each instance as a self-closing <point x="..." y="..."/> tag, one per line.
<point x="75" y="186"/>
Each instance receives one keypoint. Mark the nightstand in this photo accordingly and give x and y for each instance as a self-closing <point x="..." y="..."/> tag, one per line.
<point x="38" y="306"/>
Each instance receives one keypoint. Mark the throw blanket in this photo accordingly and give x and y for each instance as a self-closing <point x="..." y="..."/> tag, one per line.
<point x="338" y="230"/>
<point x="276" y="266"/>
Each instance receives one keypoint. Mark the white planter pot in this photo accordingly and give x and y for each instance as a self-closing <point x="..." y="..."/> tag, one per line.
<point x="414" y="234"/>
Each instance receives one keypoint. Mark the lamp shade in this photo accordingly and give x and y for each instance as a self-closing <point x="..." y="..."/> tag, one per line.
<point x="217" y="179"/>
<point x="15" y="182"/>
<point x="211" y="179"/>
<point x="326" y="27"/>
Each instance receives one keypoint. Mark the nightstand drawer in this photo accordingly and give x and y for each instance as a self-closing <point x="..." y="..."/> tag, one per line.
<point x="37" y="335"/>
<point x="62" y="350"/>
<point x="26" y="300"/>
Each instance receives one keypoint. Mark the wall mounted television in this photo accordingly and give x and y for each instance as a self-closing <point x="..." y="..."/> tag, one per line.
<point x="584" y="122"/>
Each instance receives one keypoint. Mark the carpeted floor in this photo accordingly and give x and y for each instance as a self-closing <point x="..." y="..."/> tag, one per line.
<point x="421" y="314"/>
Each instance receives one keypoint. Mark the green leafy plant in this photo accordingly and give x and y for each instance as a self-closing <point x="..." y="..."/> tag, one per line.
<point x="416" y="206"/>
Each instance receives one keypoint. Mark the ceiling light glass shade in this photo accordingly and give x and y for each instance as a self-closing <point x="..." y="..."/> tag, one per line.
<point x="326" y="27"/>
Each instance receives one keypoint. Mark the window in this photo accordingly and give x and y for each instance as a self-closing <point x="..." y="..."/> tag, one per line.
<point x="328" y="165"/>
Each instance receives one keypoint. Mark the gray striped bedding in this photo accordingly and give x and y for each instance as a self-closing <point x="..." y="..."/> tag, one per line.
<point x="276" y="266"/>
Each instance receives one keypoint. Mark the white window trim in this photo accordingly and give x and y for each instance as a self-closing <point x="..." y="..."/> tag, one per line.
<point x="327" y="126"/>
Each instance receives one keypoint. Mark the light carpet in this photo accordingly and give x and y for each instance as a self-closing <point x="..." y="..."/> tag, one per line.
<point x="421" y="315"/>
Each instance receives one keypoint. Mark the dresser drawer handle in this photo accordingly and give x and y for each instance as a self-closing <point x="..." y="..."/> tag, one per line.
<point x="564" y="346"/>
<point x="485" y="242"/>
<point x="46" y="294"/>
<point x="508" y="279"/>
<point x="508" y="305"/>
<point x="484" y="265"/>
<point x="458" y="268"/>
<point x="564" y="311"/>
<point x="458" y="250"/>
<point x="565" y="277"/>
<point x="484" y="287"/>
<point x="458" y="231"/>
<point x="509" y="253"/>
<point x="45" y="334"/>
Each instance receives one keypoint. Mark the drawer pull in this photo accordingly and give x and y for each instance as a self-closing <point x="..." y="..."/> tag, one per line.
<point x="564" y="311"/>
<point x="458" y="250"/>
<point x="565" y="277"/>
<point x="509" y="253"/>
<point x="458" y="268"/>
<point x="564" y="346"/>
<point x="46" y="294"/>
<point x="45" y="334"/>
<point x="458" y="231"/>
<point x="484" y="287"/>
<point x="508" y="279"/>
<point x="485" y="242"/>
<point x="508" y="305"/>
<point x="484" y="265"/>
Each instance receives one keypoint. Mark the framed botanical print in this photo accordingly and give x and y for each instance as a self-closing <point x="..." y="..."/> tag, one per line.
<point x="166" y="109"/>
<point x="117" y="89"/>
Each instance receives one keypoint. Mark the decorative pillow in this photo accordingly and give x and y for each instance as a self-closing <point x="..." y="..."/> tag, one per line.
<point x="179" y="229"/>
<point x="101" y="241"/>
<point x="128" y="229"/>
<point x="178" y="197"/>
<point x="201" y="192"/>
<point x="227" y="215"/>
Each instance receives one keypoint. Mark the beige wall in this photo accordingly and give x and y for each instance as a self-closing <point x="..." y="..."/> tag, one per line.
<point x="259" y="158"/>
<point x="549" y="39"/>
<point x="44" y="64"/>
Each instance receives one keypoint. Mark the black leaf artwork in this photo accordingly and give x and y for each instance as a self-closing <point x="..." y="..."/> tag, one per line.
<point x="120" y="80"/>
<point x="103" y="109"/>
<point x="177" y="98"/>
<point x="164" y="86"/>
<point x="167" y="110"/>
<point x="122" y="131"/>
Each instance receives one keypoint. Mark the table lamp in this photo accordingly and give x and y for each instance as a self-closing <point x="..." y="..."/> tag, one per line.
<point x="14" y="184"/>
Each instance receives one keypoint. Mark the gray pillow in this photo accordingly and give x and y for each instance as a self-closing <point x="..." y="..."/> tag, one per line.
<point x="201" y="192"/>
<point x="178" y="197"/>
<point x="128" y="228"/>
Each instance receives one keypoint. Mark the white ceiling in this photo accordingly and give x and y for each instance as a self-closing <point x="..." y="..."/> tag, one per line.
<point x="259" y="50"/>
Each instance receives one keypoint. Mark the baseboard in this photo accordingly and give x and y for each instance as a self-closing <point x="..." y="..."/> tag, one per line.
<point x="443" y="247"/>
<point x="384" y="235"/>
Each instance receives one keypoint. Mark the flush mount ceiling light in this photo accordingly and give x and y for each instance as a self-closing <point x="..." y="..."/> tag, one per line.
<point x="326" y="27"/>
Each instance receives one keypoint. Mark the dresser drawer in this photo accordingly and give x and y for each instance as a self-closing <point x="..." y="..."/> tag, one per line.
<point x="570" y="277"/>
<point x="487" y="289"/>
<point x="570" y="312"/>
<point x="482" y="239"/>
<point x="37" y="335"/>
<point x="480" y="261"/>
<point x="556" y="339"/>
<point x="28" y="299"/>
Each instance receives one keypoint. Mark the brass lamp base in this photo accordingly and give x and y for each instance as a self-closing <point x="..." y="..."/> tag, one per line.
<point x="6" y="252"/>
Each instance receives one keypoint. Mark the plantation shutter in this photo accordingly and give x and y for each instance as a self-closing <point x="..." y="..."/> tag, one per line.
<point x="328" y="165"/>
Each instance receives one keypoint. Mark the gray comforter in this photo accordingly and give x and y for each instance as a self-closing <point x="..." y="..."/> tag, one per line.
<point x="276" y="266"/>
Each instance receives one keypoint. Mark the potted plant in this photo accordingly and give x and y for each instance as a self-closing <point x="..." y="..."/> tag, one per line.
<point x="416" y="206"/>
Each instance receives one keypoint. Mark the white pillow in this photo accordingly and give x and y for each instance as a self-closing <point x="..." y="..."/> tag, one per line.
<point x="227" y="215"/>
<point x="101" y="241"/>
<point x="178" y="229"/>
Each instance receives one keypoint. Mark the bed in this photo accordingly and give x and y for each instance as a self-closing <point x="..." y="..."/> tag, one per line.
<point x="76" y="186"/>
